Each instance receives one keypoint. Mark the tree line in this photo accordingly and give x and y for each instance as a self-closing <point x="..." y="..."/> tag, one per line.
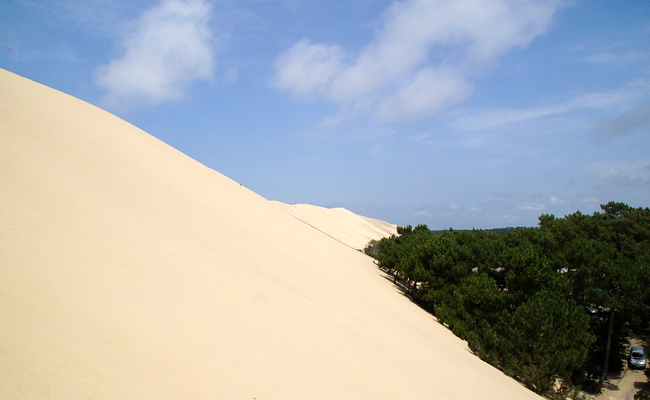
<point x="555" y="301"/>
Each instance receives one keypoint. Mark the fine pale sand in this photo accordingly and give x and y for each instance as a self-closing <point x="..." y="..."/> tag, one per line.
<point x="130" y="271"/>
<point x="341" y="224"/>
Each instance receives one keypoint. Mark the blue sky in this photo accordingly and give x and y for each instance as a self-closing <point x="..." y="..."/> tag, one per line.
<point x="466" y="113"/>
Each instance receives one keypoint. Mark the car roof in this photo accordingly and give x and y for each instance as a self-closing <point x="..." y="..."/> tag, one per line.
<point x="638" y="349"/>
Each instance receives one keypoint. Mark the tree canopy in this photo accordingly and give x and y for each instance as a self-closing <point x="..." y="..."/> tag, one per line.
<point x="539" y="303"/>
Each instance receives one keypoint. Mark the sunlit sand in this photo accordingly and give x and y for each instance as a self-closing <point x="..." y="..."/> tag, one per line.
<point x="130" y="271"/>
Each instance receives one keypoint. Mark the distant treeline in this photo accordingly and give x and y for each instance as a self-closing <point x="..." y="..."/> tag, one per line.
<point x="539" y="303"/>
<point x="500" y="231"/>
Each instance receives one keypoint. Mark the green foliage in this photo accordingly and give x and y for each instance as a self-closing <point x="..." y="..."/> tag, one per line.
<point x="606" y="257"/>
<point x="499" y="231"/>
<point x="535" y="302"/>
<point x="642" y="395"/>
<point x="546" y="337"/>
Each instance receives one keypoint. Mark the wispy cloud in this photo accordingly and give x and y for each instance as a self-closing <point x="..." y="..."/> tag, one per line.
<point x="422" y="214"/>
<point x="167" y="48"/>
<point x="481" y="119"/>
<point x="627" y="181"/>
<point x="532" y="206"/>
<point x="618" y="174"/>
<point x="635" y="120"/>
<point x="590" y="200"/>
<point x="556" y="200"/>
<point x="409" y="71"/>
<point x="534" y="201"/>
<point x="611" y="57"/>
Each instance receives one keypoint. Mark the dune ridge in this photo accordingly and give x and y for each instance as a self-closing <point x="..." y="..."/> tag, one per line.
<point x="341" y="224"/>
<point x="129" y="270"/>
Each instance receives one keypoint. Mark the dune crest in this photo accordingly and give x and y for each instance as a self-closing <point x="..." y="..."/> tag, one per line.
<point x="129" y="270"/>
<point x="343" y="225"/>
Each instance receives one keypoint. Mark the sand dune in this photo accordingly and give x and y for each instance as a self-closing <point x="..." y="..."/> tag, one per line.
<point x="341" y="224"/>
<point x="130" y="271"/>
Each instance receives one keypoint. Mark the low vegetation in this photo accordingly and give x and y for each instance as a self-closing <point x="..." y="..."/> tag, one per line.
<point x="546" y="304"/>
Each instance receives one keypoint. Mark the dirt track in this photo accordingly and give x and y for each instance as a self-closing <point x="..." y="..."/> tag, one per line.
<point x="624" y="387"/>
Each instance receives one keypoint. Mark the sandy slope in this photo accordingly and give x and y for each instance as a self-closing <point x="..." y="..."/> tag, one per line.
<point x="130" y="271"/>
<point x="341" y="224"/>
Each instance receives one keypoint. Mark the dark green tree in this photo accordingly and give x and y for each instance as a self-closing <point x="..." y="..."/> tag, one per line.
<point x="547" y="337"/>
<point x="606" y="256"/>
<point x="539" y="303"/>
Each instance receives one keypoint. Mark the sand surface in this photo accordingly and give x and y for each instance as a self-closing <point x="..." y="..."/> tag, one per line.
<point x="343" y="225"/>
<point x="130" y="271"/>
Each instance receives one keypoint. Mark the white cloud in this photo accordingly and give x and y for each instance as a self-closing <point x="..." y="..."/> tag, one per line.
<point x="409" y="71"/>
<point x="167" y="48"/>
<point x="430" y="92"/>
<point x="308" y="68"/>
